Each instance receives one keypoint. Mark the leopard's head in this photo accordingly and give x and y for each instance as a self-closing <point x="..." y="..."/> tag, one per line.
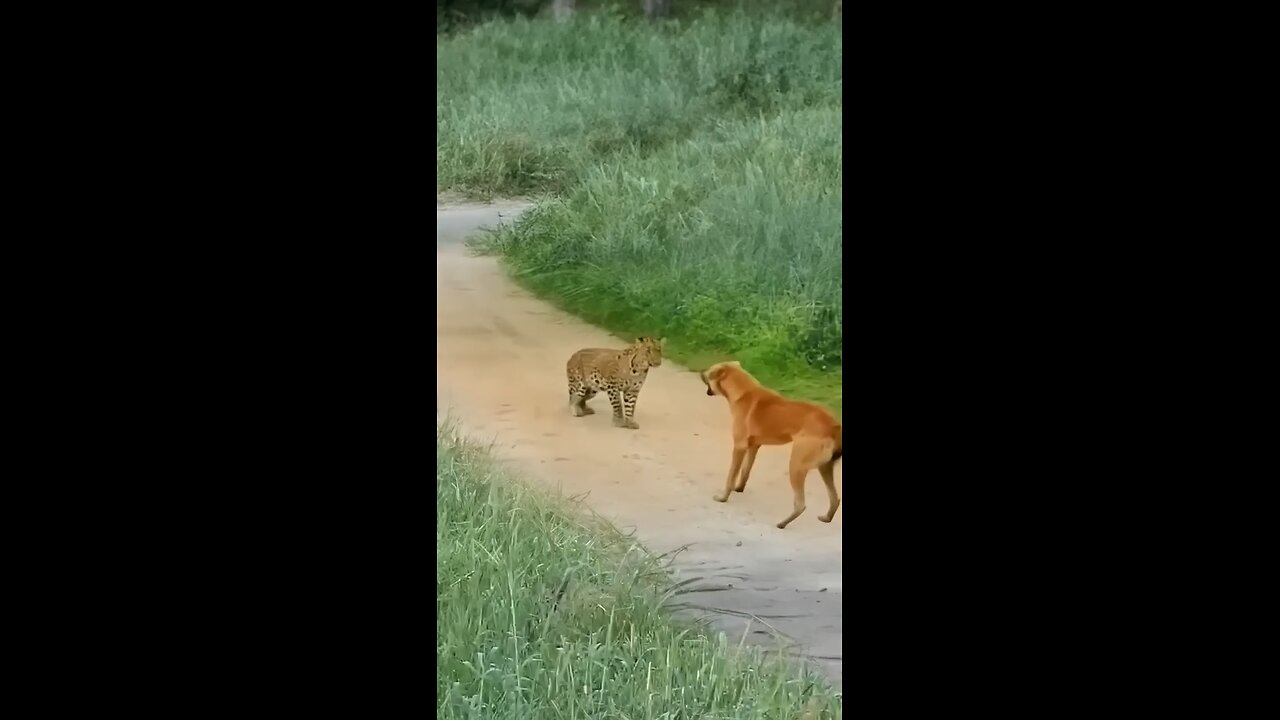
<point x="648" y="352"/>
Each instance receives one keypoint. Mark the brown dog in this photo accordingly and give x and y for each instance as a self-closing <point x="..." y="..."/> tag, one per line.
<point x="763" y="417"/>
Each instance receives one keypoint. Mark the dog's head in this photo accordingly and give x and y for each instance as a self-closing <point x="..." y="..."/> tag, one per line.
<point x="712" y="376"/>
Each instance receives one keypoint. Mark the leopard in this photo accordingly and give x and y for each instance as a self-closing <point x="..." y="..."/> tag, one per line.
<point x="620" y="373"/>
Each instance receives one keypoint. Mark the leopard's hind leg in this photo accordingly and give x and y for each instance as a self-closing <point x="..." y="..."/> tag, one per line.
<point x="579" y="394"/>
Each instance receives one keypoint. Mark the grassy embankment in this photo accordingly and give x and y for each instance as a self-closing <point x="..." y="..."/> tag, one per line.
<point x="689" y="174"/>
<point x="542" y="613"/>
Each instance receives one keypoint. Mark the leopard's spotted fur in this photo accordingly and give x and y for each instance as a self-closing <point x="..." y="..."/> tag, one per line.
<point x="620" y="373"/>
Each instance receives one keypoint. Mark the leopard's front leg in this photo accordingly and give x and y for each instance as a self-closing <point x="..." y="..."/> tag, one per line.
<point x="629" y="397"/>
<point x="615" y="399"/>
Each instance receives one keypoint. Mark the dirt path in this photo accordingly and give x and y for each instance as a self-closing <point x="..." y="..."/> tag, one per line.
<point x="500" y="371"/>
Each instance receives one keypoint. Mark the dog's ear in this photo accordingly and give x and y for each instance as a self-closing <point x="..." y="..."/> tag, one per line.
<point x="719" y="370"/>
<point x="662" y="341"/>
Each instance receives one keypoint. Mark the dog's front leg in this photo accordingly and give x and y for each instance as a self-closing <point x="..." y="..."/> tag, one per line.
<point x="738" y="453"/>
<point x="798" y="469"/>
<point x="746" y="469"/>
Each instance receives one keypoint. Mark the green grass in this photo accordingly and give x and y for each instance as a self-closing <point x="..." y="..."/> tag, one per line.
<point x="544" y="612"/>
<point x="690" y="177"/>
<point x="452" y="15"/>
<point x="689" y="183"/>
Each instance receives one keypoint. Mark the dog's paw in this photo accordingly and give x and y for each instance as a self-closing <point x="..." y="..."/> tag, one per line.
<point x="740" y="488"/>
<point x="825" y="518"/>
<point x="720" y="498"/>
<point x="782" y="526"/>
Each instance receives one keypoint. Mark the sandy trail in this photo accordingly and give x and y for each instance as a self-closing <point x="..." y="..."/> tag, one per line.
<point x="500" y="372"/>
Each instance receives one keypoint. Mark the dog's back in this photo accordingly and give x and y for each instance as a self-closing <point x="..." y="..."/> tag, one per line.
<point x="773" y="419"/>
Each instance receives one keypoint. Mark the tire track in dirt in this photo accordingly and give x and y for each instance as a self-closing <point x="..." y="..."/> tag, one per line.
<point x="500" y="357"/>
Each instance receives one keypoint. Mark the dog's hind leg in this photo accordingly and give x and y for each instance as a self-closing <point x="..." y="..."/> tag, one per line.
<point x="746" y="468"/>
<point x="736" y="463"/>
<point x="829" y="479"/>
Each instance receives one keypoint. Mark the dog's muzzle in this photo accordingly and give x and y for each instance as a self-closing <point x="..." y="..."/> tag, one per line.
<point x="709" y="393"/>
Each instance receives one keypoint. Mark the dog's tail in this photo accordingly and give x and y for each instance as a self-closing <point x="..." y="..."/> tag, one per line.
<point x="837" y="436"/>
